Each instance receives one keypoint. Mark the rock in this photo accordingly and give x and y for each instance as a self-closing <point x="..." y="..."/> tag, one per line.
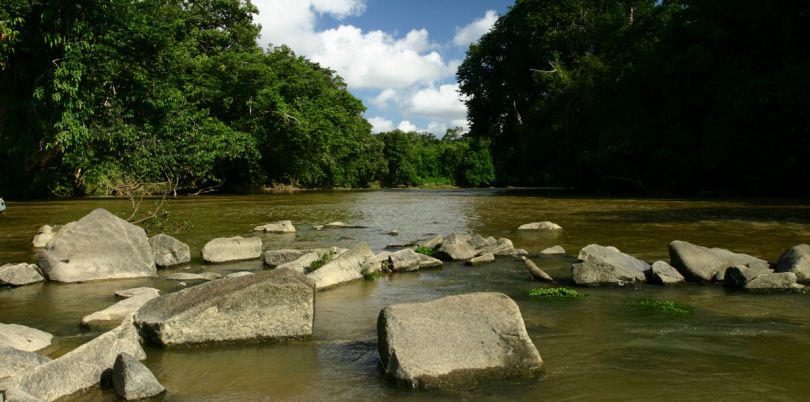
<point x="305" y="261"/>
<point x="521" y="252"/>
<point x="737" y="277"/>
<point x="455" y="247"/>
<point x="760" y="280"/>
<point x="348" y="266"/>
<point x="333" y="225"/>
<point x="98" y="246"/>
<point x="118" y="311"/>
<point x="455" y="341"/>
<point x="23" y="338"/>
<point x="274" y="258"/>
<point x="169" y="251"/>
<point x="181" y="285"/>
<point x="14" y="361"/>
<point x="478" y="242"/>
<point x="545" y="225"/>
<point x="536" y="272"/>
<point x="797" y="260"/>
<point x="232" y="249"/>
<point x="270" y="305"/>
<point x="19" y="274"/>
<point x="426" y="261"/>
<point x="127" y="293"/>
<point x="665" y="274"/>
<point x="383" y="257"/>
<point x="132" y="380"/>
<point x="701" y="264"/>
<point x="276" y="227"/>
<point x="238" y="274"/>
<point x="393" y="233"/>
<point x="188" y="276"/>
<point x="553" y="250"/>
<point x="607" y="266"/>
<point x="481" y="259"/>
<point x="503" y="246"/>
<point x="405" y="260"/>
<point x="80" y="368"/>
<point x="433" y="242"/>
<point x="44" y="236"/>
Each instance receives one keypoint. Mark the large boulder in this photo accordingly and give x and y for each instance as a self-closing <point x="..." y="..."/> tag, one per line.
<point x="169" y="251"/>
<point x="664" y="274"/>
<point x="44" y="236"/>
<point x="274" y="258"/>
<point x="98" y="246"/>
<point x="349" y="266"/>
<point x="270" y="305"/>
<point x="14" y="361"/>
<point x="545" y="225"/>
<point x="702" y="264"/>
<point x="132" y="380"/>
<point x="607" y="266"/>
<point x="760" y="280"/>
<point x="78" y="369"/>
<point x="276" y="227"/>
<point x="502" y="246"/>
<point x="23" y="338"/>
<point x="19" y="274"/>
<point x="405" y="260"/>
<point x="118" y="311"/>
<point x="455" y="341"/>
<point x="797" y="260"/>
<point x="235" y="248"/>
<point x="455" y="246"/>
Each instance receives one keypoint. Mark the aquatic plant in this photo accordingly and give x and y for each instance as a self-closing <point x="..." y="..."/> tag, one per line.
<point x="370" y="275"/>
<point x="662" y="307"/>
<point x="323" y="260"/>
<point x="424" y="250"/>
<point x="557" y="293"/>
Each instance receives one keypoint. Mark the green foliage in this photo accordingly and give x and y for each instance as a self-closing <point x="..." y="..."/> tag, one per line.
<point x="370" y="275"/>
<point x="555" y="293"/>
<point x="424" y="250"/>
<point x="321" y="261"/>
<point x="658" y="307"/>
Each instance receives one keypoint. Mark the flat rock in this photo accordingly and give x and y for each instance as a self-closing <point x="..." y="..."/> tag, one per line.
<point x="188" y="276"/>
<point x="426" y="261"/>
<point x="348" y="266"/>
<point x="405" y="260"/>
<point x="456" y="341"/>
<point x="276" y="227"/>
<point x="481" y="259"/>
<point x="132" y="380"/>
<point x="432" y="242"/>
<point x="455" y="247"/>
<point x="701" y="264"/>
<point x="553" y="250"/>
<point x="797" y="260"/>
<point x="274" y="258"/>
<point x="118" y="311"/>
<point x="665" y="274"/>
<point x="502" y="246"/>
<point x="14" y="361"/>
<point x="98" y="246"/>
<point x="303" y="263"/>
<point x="19" y="274"/>
<point x="169" y="251"/>
<point x="238" y="274"/>
<point x="607" y="266"/>
<point x="545" y="225"/>
<point x="232" y="249"/>
<point x="23" y="338"/>
<point x="78" y="369"/>
<point x="127" y="293"/>
<point x="269" y="305"/>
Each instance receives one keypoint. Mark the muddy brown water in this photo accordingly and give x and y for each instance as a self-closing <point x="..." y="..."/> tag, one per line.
<point x="732" y="346"/>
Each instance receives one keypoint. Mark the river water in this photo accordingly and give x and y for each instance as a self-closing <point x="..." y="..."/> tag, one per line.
<point x="733" y="346"/>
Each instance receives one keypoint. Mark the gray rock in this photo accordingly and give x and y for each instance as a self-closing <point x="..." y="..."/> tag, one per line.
<point x="238" y="274"/>
<point x="553" y="250"/>
<point x="737" y="277"/>
<point x="23" y="338"/>
<point x="760" y="280"/>
<point x="797" y="260"/>
<point x="405" y="260"/>
<point x="276" y="227"/>
<point x="98" y="246"/>
<point x="127" y="293"/>
<point x="520" y="252"/>
<point x="348" y="266"/>
<point x="455" y="247"/>
<point x="607" y="266"/>
<point x="80" y="368"/>
<point x="665" y="274"/>
<point x="545" y="225"/>
<point x="536" y="272"/>
<point x="132" y="380"/>
<point x="456" y="341"/>
<point x="701" y="264"/>
<point x="478" y="242"/>
<point x="44" y="236"/>
<point x="503" y="246"/>
<point x="188" y="276"/>
<point x="274" y="258"/>
<point x="14" y="361"/>
<point x="270" y="305"/>
<point x="481" y="259"/>
<point x="169" y="251"/>
<point x="19" y="274"/>
<point x="433" y="242"/>
<point x="304" y="263"/>
<point x="232" y="249"/>
<point x="393" y="233"/>
<point x="383" y="257"/>
<point x="118" y="311"/>
<point x="426" y="261"/>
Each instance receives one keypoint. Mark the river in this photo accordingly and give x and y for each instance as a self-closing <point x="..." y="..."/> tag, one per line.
<point x="733" y="346"/>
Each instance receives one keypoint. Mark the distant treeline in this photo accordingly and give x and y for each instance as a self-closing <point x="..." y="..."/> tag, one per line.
<point x="683" y="96"/>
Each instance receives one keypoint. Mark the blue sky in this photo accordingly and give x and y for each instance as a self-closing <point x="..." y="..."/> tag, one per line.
<point x="398" y="57"/>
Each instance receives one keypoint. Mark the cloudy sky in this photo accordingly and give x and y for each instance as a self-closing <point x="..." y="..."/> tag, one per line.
<point x="398" y="56"/>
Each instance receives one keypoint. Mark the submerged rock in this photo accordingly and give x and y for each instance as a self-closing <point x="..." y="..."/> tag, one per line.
<point x="98" y="246"/>
<point x="119" y="311"/>
<point x="456" y="341"/>
<point x="132" y="380"/>
<point x="238" y="274"/>
<point x="665" y="274"/>
<point x="270" y="305"/>
<point x="545" y="225"/>
<point x="797" y="260"/>
<point x="23" y="338"/>
<point x="127" y="293"/>
<point x="349" y="266"/>
<point x="553" y="250"/>
<point x="701" y="264"/>
<point x="607" y="266"/>
<point x="169" y="251"/>
<point x="232" y="249"/>
<point x="456" y="246"/>
<point x="276" y="227"/>
<point x="426" y="261"/>
<point x="188" y="276"/>
<point x="19" y="274"/>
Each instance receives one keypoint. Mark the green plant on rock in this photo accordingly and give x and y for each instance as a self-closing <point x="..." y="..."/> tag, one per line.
<point x="555" y="293"/>
<point x="424" y="250"/>
<point x="323" y="260"/>
<point x="663" y="307"/>
<point x="370" y="274"/>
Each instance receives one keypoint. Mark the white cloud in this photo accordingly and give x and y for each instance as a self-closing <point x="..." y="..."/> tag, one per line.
<point x="406" y="125"/>
<point x="384" y="98"/>
<point x="380" y="124"/>
<point x="444" y="103"/>
<point x="472" y="32"/>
